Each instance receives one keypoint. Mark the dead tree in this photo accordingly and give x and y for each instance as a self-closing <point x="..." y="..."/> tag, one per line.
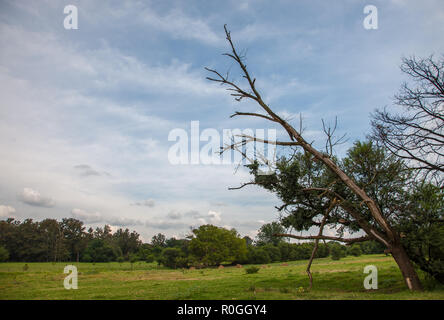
<point x="417" y="133"/>
<point x="388" y="236"/>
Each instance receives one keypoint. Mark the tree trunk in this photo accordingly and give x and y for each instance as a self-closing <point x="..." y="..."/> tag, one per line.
<point x="405" y="265"/>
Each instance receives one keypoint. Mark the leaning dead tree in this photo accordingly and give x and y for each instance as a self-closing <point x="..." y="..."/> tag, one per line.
<point x="416" y="133"/>
<point x="370" y="219"/>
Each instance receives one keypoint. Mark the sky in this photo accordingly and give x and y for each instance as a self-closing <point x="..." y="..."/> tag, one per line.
<point x="85" y="113"/>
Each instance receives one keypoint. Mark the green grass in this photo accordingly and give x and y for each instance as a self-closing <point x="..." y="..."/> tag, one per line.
<point x="341" y="279"/>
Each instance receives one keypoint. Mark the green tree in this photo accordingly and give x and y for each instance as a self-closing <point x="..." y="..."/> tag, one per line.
<point x="421" y="225"/>
<point x="99" y="251"/>
<point x="73" y="232"/>
<point x="128" y="242"/>
<point x="55" y="248"/>
<point x="173" y="258"/>
<point x="212" y="245"/>
<point x="159" y="240"/>
<point x="258" y="255"/>
<point x="273" y="252"/>
<point x="267" y="234"/>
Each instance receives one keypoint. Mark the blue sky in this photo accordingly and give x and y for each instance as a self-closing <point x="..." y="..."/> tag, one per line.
<point x="85" y="114"/>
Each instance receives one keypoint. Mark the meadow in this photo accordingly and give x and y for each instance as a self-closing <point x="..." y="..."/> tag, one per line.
<point x="341" y="279"/>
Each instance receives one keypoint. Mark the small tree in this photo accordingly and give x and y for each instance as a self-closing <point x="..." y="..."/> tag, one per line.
<point x="267" y="234"/>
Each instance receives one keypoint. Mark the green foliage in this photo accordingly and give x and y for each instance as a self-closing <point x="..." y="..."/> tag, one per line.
<point x="273" y="252"/>
<point x="258" y="256"/>
<point x="252" y="269"/>
<point x="371" y="247"/>
<point x="127" y="242"/>
<point x="422" y="229"/>
<point x="99" y="251"/>
<point x="212" y="245"/>
<point x="173" y="258"/>
<point x="67" y="240"/>
<point x="337" y="251"/>
<point x="354" y="250"/>
<point x="4" y="254"/>
<point x="267" y="233"/>
<point x="159" y="240"/>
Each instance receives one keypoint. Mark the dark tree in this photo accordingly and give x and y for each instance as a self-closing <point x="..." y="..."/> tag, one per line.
<point x="73" y="231"/>
<point x="416" y="131"/>
<point x="158" y="240"/>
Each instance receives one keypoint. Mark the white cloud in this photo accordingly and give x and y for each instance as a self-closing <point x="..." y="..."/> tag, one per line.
<point x="212" y="217"/>
<point x="34" y="198"/>
<point x="6" y="211"/>
<point x="97" y="217"/>
<point x="85" y="216"/>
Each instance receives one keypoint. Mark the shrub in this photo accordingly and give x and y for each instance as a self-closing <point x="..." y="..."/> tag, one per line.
<point x="173" y="258"/>
<point x="336" y="252"/>
<point x="355" y="250"/>
<point x="251" y="270"/>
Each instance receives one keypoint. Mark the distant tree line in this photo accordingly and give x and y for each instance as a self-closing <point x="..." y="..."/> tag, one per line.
<point x="50" y="240"/>
<point x="209" y="245"/>
<point x="67" y="240"/>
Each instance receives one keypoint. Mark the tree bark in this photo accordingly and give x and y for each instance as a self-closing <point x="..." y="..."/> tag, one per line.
<point x="405" y="265"/>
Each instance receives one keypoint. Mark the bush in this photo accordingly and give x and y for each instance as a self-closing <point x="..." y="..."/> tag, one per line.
<point x="251" y="270"/>
<point x="355" y="250"/>
<point x="173" y="258"/>
<point x="336" y="251"/>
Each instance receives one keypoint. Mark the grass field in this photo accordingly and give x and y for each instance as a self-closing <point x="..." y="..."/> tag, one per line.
<point x="341" y="279"/>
